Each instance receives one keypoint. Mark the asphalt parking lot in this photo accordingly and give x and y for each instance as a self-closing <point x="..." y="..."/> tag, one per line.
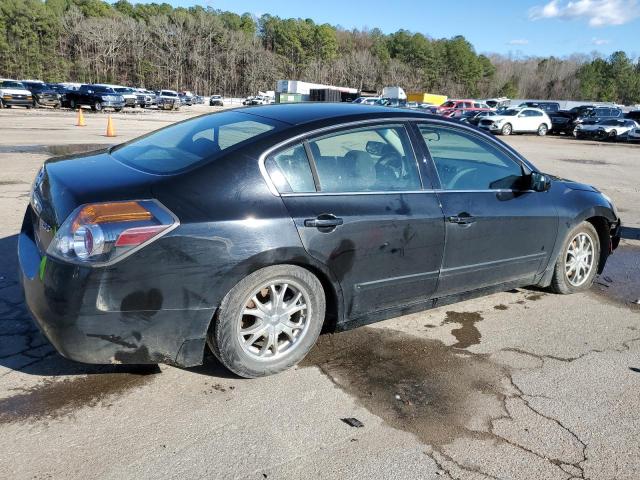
<point x="517" y="385"/>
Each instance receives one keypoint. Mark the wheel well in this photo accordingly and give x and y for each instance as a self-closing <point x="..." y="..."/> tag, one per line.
<point x="331" y="296"/>
<point x="602" y="226"/>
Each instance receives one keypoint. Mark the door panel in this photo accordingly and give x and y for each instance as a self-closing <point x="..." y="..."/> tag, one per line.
<point x="369" y="220"/>
<point x="387" y="251"/>
<point x="496" y="229"/>
<point x="510" y="237"/>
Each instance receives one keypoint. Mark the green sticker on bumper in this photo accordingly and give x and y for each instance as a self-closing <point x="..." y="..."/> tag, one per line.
<point x="43" y="264"/>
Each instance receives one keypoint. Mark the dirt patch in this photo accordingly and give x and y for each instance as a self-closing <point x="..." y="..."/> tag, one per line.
<point x="534" y="297"/>
<point x="12" y="182"/>
<point x="53" y="399"/>
<point x="55" y="150"/>
<point x="467" y="334"/>
<point x="417" y="385"/>
<point x="585" y="161"/>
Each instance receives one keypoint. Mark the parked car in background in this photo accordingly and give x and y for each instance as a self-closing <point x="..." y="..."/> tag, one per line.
<point x="497" y="102"/>
<point x="634" y="135"/>
<point x="366" y="100"/>
<point x="198" y="99"/>
<point x="95" y="96"/>
<point x="216" y="101"/>
<point x="253" y="238"/>
<point x="452" y="108"/>
<point x="186" y="98"/>
<point x="633" y="115"/>
<point x="608" y="129"/>
<point x="596" y="114"/>
<point x="547" y="107"/>
<point x="14" y="93"/>
<point x="168" y="100"/>
<point x="145" y="98"/>
<point x="474" y="118"/>
<point x="42" y="93"/>
<point x="127" y="93"/>
<point x="518" y="120"/>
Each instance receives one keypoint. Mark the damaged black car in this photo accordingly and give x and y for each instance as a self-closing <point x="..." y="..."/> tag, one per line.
<point x="251" y="230"/>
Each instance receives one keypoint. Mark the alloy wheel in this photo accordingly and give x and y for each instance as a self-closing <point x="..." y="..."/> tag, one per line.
<point x="273" y="321"/>
<point x="579" y="259"/>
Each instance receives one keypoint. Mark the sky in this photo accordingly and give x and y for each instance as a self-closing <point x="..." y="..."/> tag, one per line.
<point x="522" y="27"/>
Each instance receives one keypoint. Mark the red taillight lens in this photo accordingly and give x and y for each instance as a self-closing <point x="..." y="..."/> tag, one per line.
<point x="136" y="236"/>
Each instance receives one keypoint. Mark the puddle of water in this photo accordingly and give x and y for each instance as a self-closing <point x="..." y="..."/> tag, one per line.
<point x="534" y="297"/>
<point x="620" y="281"/>
<point x="54" y="399"/>
<point x="416" y="385"/>
<point x="501" y="306"/>
<point x="467" y="334"/>
<point x="56" y="150"/>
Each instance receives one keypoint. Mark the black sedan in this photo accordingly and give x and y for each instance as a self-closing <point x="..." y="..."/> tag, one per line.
<point x="251" y="229"/>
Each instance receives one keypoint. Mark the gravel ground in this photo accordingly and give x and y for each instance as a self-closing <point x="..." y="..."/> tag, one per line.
<point x="517" y="385"/>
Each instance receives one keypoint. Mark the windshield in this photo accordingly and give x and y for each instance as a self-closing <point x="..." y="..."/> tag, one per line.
<point x="186" y="144"/>
<point x="448" y="104"/>
<point x="168" y="94"/>
<point x="10" y="84"/>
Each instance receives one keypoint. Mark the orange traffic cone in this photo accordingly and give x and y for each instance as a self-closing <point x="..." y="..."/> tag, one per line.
<point x="111" y="132"/>
<point x="80" y="120"/>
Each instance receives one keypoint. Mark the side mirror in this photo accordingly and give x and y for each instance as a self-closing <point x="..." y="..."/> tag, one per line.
<point x="540" y="182"/>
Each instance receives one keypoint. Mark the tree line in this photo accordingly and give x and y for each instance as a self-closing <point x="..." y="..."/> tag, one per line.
<point x="212" y="51"/>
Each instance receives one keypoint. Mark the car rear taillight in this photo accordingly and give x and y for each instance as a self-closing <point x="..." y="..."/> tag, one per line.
<point x="101" y="233"/>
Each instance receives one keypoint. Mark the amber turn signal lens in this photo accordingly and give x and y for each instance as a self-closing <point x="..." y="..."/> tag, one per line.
<point x="110" y="213"/>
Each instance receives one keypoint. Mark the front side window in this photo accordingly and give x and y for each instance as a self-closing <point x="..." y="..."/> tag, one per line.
<point x="465" y="161"/>
<point x="376" y="158"/>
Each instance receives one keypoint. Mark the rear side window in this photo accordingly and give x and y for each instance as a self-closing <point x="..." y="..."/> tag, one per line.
<point x="186" y="144"/>
<point x="465" y="161"/>
<point x="376" y="158"/>
<point x="290" y="171"/>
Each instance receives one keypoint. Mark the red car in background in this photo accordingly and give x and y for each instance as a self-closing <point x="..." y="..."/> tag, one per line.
<point x="455" y="108"/>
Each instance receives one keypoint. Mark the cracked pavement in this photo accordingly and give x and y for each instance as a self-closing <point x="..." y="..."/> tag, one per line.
<point x="516" y="385"/>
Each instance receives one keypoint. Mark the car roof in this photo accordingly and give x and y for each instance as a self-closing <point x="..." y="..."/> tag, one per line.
<point x="303" y="113"/>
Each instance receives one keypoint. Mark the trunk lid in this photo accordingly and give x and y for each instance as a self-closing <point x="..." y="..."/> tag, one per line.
<point x="65" y="183"/>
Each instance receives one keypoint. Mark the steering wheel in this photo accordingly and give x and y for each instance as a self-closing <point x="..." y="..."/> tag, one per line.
<point x="456" y="178"/>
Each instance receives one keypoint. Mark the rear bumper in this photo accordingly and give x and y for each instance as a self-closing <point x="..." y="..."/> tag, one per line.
<point x="64" y="301"/>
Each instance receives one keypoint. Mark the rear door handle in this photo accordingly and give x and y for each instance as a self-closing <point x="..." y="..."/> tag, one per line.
<point x="323" y="221"/>
<point x="462" y="219"/>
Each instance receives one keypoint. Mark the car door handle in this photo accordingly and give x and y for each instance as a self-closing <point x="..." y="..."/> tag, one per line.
<point x="462" y="219"/>
<point x="323" y="221"/>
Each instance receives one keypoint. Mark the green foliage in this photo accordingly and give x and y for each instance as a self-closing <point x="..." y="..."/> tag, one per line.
<point x="204" y="49"/>
<point x="615" y="79"/>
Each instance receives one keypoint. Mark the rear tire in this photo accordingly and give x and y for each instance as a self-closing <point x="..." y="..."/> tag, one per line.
<point x="567" y="280"/>
<point x="542" y="130"/>
<point x="507" y="129"/>
<point x="273" y="339"/>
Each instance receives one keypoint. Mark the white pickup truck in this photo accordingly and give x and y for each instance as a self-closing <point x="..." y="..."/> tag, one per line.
<point x="13" y="93"/>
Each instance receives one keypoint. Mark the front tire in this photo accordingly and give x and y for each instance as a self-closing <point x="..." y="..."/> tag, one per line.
<point x="97" y="106"/>
<point x="577" y="264"/>
<point x="507" y="129"/>
<point x="269" y="321"/>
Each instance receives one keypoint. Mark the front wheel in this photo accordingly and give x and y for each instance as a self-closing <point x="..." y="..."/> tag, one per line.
<point x="269" y="321"/>
<point x="542" y="130"/>
<point x="97" y="106"/>
<point x="507" y="129"/>
<point x="577" y="264"/>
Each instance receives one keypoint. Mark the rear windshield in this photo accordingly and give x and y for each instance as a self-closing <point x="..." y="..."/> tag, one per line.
<point x="186" y="144"/>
